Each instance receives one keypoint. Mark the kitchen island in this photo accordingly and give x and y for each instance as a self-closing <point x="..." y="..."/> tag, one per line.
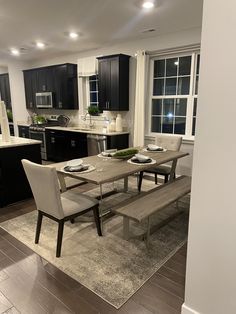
<point x="14" y="185"/>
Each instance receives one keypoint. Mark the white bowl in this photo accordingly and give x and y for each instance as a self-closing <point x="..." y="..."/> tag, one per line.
<point x="74" y="162"/>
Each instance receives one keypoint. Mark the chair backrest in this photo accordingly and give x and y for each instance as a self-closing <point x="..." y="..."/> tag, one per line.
<point x="171" y="142"/>
<point x="44" y="184"/>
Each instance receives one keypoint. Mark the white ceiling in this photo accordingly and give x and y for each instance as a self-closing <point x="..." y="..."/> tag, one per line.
<point x="99" y="23"/>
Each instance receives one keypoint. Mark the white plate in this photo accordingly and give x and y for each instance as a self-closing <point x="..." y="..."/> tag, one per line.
<point x="74" y="162"/>
<point x="91" y="168"/>
<point x="101" y="156"/>
<point x="154" y="151"/>
<point x="142" y="164"/>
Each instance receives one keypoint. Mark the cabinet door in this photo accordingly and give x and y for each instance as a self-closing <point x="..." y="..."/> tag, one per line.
<point x="2" y="88"/>
<point x="113" y="100"/>
<point x="60" y="85"/>
<point x="7" y="91"/>
<point x="118" y="141"/>
<point x="103" y="83"/>
<point x="30" y="80"/>
<point x="45" y="80"/>
<point x="77" y="145"/>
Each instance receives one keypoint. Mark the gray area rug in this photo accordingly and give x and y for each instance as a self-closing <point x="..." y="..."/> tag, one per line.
<point x="110" y="266"/>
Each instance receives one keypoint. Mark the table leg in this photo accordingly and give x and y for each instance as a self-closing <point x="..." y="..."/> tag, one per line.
<point x="61" y="179"/>
<point x="126" y="228"/>
<point x="173" y="168"/>
<point x="126" y="184"/>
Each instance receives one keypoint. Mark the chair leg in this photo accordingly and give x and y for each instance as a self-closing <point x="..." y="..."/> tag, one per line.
<point x="38" y="228"/>
<point x="155" y="178"/>
<point x="97" y="220"/>
<point x="166" y="178"/>
<point x="140" y="181"/>
<point x="72" y="221"/>
<point x="59" y="237"/>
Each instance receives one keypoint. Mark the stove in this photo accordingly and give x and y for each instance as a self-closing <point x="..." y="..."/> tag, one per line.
<point x="37" y="132"/>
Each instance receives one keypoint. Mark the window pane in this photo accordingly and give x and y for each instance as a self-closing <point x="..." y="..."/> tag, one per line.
<point x="156" y="107"/>
<point x="159" y="68"/>
<point x="185" y="65"/>
<point x="196" y="85"/>
<point x="183" y="85"/>
<point x="156" y="124"/>
<point x="93" y="97"/>
<point x="168" y="107"/>
<point x="180" y="125"/>
<point x="158" y="87"/>
<point x="171" y="67"/>
<point x="181" y="107"/>
<point x="167" y="126"/>
<point x="171" y="86"/>
<point x="93" y="86"/>
<point x="198" y="63"/>
<point x="195" y="107"/>
<point x="194" y="126"/>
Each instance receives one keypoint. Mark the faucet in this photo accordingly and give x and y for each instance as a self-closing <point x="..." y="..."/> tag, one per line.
<point x="91" y="124"/>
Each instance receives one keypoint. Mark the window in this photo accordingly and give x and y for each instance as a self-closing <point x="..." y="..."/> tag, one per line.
<point x="174" y="88"/>
<point x="93" y="90"/>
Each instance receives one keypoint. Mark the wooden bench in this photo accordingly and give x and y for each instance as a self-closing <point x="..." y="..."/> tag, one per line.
<point x="143" y="206"/>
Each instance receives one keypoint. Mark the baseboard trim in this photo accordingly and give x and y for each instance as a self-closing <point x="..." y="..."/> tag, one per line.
<point x="188" y="310"/>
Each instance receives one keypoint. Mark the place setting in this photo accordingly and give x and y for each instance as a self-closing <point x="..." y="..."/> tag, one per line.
<point x="77" y="165"/>
<point x="140" y="159"/>
<point x="154" y="148"/>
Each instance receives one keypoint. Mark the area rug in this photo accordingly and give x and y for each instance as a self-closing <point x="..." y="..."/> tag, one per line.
<point x="110" y="266"/>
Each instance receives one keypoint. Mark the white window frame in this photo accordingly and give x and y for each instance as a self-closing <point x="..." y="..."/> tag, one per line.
<point x="190" y="98"/>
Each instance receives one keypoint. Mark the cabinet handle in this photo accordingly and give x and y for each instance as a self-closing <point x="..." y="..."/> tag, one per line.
<point x="60" y="104"/>
<point x="44" y="88"/>
<point x="108" y="104"/>
<point x="52" y="140"/>
<point x="73" y="143"/>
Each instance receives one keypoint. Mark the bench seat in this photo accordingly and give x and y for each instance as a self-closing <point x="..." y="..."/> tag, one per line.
<point x="143" y="206"/>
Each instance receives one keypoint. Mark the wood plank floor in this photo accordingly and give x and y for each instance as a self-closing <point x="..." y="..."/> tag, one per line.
<point x="28" y="284"/>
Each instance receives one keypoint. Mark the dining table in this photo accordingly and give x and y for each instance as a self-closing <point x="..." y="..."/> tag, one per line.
<point x="107" y="169"/>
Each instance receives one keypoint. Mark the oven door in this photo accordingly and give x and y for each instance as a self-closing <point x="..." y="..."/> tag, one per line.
<point x="39" y="136"/>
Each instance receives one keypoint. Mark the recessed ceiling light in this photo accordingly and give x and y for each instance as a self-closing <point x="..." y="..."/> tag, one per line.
<point x="40" y="45"/>
<point x="148" y="4"/>
<point x="15" y="52"/>
<point x="73" y="35"/>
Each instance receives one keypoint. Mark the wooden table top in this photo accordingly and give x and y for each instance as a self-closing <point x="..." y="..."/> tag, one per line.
<point x="115" y="169"/>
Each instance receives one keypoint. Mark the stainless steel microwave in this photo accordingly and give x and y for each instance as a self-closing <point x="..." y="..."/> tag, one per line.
<point x="44" y="100"/>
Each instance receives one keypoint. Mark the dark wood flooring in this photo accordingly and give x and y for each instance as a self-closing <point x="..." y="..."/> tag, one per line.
<point x="29" y="284"/>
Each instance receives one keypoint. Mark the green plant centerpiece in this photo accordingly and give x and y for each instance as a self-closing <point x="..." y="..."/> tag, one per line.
<point x="9" y="115"/>
<point x="125" y="153"/>
<point x="93" y="110"/>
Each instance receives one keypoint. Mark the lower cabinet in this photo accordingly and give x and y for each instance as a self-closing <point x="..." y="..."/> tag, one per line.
<point x="65" y="145"/>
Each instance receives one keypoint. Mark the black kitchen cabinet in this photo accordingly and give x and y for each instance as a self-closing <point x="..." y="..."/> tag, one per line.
<point x="65" y="86"/>
<point x="113" y="82"/>
<point x="118" y="141"/>
<point x="65" y="145"/>
<point x="5" y="89"/>
<point x="60" y="79"/>
<point x="23" y="131"/>
<point x="30" y="80"/>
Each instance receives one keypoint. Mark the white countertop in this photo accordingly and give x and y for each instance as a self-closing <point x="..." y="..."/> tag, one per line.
<point x="17" y="141"/>
<point x="77" y="129"/>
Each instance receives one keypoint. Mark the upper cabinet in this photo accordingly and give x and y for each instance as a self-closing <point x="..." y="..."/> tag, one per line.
<point x="5" y="90"/>
<point x="113" y="82"/>
<point x="60" y="80"/>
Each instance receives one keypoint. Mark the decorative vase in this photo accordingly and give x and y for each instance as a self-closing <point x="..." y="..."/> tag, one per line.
<point x="112" y="126"/>
<point x="119" y="123"/>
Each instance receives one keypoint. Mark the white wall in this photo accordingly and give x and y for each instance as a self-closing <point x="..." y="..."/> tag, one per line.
<point x="3" y="69"/>
<point x="211" y="259"/>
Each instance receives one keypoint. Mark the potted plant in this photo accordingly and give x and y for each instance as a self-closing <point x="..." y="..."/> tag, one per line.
<point x="93" y="110"/>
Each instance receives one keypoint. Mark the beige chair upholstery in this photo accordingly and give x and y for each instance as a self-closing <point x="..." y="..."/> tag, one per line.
<point x="170" y="142"/>
<point x="60" y="207"/>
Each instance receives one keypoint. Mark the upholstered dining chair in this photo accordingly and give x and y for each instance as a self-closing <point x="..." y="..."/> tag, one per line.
<point x="51" y="203"/>
<point x="170" y="142"/>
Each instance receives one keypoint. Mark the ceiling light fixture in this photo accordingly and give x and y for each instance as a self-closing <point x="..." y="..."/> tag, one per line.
<point x="15" y="52"/>
<point x="73" y="35"/>
<point x="40" y="45"/>
<point x="148" y="4"/>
